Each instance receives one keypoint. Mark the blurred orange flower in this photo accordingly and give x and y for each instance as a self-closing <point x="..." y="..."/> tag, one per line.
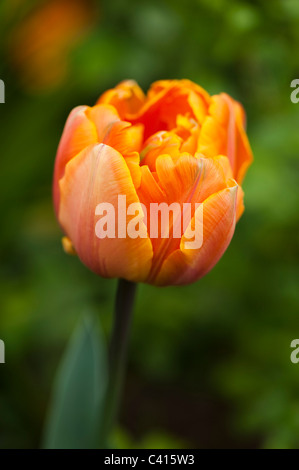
<point x="175" y="144"/>
<point x="39" y="46"/>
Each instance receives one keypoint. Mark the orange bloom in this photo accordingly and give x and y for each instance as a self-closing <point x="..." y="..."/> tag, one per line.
<point x="40" y="44"/>
<point x="177" y="144"/>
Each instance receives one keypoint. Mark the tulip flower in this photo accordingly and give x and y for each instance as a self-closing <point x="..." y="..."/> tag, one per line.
<point x="176" y="148"/>
<point x="177" y="144"/>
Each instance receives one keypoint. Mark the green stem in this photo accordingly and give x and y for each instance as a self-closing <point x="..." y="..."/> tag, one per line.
<point x="118" y="351"/>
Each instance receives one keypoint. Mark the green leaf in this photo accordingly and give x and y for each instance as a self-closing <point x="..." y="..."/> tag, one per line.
<point x="79" y="391"/>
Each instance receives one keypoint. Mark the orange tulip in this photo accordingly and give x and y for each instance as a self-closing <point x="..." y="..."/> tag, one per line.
<point x="177" y="144"/>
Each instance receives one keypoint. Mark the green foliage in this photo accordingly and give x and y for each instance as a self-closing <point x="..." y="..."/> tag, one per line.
<point x="79" y="391"/>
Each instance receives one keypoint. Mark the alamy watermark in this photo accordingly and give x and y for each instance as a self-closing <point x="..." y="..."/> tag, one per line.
<point x="158" y="220"/>
<point x="295" y="93"/>
<point x="2" y="92"/>
<point x="295" y="353"/>
<point x="2" y="352"/>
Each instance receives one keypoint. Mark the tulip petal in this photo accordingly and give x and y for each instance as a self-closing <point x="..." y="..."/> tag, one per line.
<point x="239" y="150"/>
<point x="78" y="133"/>
<point x="184" y="266"/>
<point x="127" y="140"/>
<point x="198" y="99"/>
<point x="127" y="98"/>
<point x="98" y="175"/>
<point x="188" y="130"/>
<point x="101" y="123"/>
<point x="227" y="170"/>
<point x="223" y="133"/>
<point x="158" y="144"/>
<point x="103" y="116"/>
<point x="120" y="135"/>
<point x="124" y="137"/>
<point x="165" y="103"/>
<point x="188" y="180"/>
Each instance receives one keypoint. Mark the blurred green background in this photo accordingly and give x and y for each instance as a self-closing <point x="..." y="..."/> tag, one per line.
<point x="209" y="364"/>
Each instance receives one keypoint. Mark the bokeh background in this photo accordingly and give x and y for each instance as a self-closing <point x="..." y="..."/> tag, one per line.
<point x="209" y="364"/>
